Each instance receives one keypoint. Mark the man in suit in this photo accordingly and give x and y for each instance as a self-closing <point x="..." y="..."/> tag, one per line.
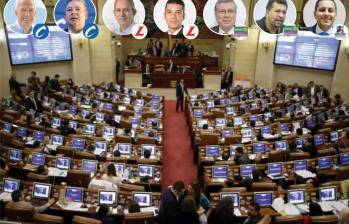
<point x="296" y="90"/>
<point x="275" y="15"/>
<point x="325" y="14"/>
<point x="228" y="78"/>
<point x="30" y="103"/>
<point x="225" y="13"/>
<point x="170" y="203"/>
<point x="180" y="90"/>
<point x="15" y="86"/>
<point x="312" y="89"/>
<point x="55" y="83"/>
<point x="174" y="16"/>
<point x="323" y="92"/>
<point x="171" y="67"/>
<point x="158" y="46"/>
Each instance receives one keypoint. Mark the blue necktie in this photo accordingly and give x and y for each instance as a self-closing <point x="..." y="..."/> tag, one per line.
<point x="324" y="34"/>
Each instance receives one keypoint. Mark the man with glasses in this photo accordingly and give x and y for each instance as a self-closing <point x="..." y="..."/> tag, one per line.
<point x="225" y="13"/>
<point x="274" y="17"/>
<point x="25" y="12"/>
<point x="174" y="16"/>
<point x="75" y="14"/>
<point x="124" y="12"/>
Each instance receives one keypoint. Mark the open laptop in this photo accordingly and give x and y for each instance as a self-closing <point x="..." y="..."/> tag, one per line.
<point x="344" y="159"/>
<point x="334" y="135"/>
<point x="221" y="122"/>
<point x="299" y="165"/>
<point x="296" y="196"/>
<point x="198" y="113"/>
<point x="109" y="131"/>
<point x="38" y="159"/>
<point x="79" y="143"/>
<point x="57" y="140"/>
<point x="319" y="140"/>
<point x="327" y="195"/>
<point x="7" y="127"/>
<point x="120" y="168"/>
<point x="8" y="186"/>
<point x="15" y="155"/>
<point x="299" y="143"/>
<point x="264" y="199"/>
<point x="233" y="148"/>
<point x="21" y="132"/>
<point x="266" y="130"/>
<point x="38" y="136"/>
<point x="275" y="171"/>
<point x="145" y="170"/>
<point x="100" y="117"/>
<point x="212" y="151"/>
<point x="108" y="198"/>
<point x="246" y="134"/>
<point x="144" y="199"/>
<point x="74" y="195"/>
<point x="235" y="198"/>
<point x="230" y="111"/>
<point x="258" y="147"/>
<point x="227" y="133"/>
<point x="325" y="162"/>
<point x="246" y="170"/>
<point x="219" y="173"/>
<point x="281" y="145"/>
<point x="41" y="193"/>
<point x="238" y="121"/>
<point x="100" y="148"/>
<point x="89" y="129"/>
<point x="63" y="163"/>
<point x="89" y="165"/>
<point x="201" y="122"/>
<point x="56" y="122"/>
<point x="125" y="149"/>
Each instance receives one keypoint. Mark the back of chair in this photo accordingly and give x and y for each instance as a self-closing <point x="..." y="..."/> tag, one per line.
<point x="78" y="178"/>
<point x="264" y="186"/>
<point x="40" y="218"/>
<point x="343" y="173"/>
<point x="16" y="212"/>
<point x="125" y="124"/>
<point x="122" y="139"/>
<point x="235" y="139"/>
<point x="300" y="186"/>
<point x="84" y="220"/>
<point x="276" y="156"/>
<point x="324" y="219"/>
<point x="298" y="156"/>
<point x="131" y="187"/>
<point x="209" y="139"/>
<point x="233" y="189"/>
<point x="265" y="220"/>
<point x="289" y="219"/>
<point x="139" y="217"/>
<point x="326" y="152"/>
<point x="84" y="155"/>
<point x="145" y="140"/>
<point x="37" y="178"/>
<point x="65" y="150"/>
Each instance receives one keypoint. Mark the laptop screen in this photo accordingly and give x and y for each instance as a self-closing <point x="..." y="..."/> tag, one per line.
<point x="39" y="136"/>
<point x="10" y="185"/>
<point x="108" y="106"/>
<point x="299" y="143"/>
<point x="234" y="99"/>
<point x="89" y="165"/>
<point x="275" y="168"/>
<point x="124" y="148"/>
<point x="99" y="117"/>
<point x="57" y="139"/>
<point x="265" y="130"/>
<point x="21" y="132"/>
<point x="234" y="147"/>
<point x="145" y="170"/>
<point x="220" y="122"/>
<point x="73" y="124"/>
<point x="246" y="133"/>
<point x="41" y="190"/>
<point x="134" y="121"/>
<point x="319" y="139"/>
<point x="296" y="196"/>
<point x="119" y="167"/>
<point x="63" y="163"/>
<point x="238" y="121"/>
<point x="212" y="150"/>
<point x="201" y="122"/>
<point x="15" y="154"/>
<point x="230" y="110"/>
<point x="219" y="171"/>
<point x="73" y="109"/>
<point x="258" y="148"/>
<point x="300" y="165"/>
<point x="139" y="102"/>
<point x="344" y="159"/>
<point x="281" y="145"/>
<point x="142" y="198"/>
<point x="246" y="170"/>
<point x="109" y="131"/>
<point x="56" y="121"/>
<point x="325" y="162"/>
<point x="101" y="146"/>
<point x="85" y="113"/>
<point x="334" y="136"/>
<point x="79" y="143"/>
<point x="235" y="197"/>
<point x="227" y="132"/>
<point x="74" y="194"/>
<point x="148" y="147"/>
<point x="198" y="112"/>
<point x="223" y="102"/>
<point x="7" y="127"/>
<point x="107" y="198"/>
<point x="327" y="194"/>
<point x="264" y="199"/>
<point x="254" y="118"/>
<point x="38" y="159"/>
<point x="283" y="127"/>
<point x="89" y="129"/>
<point x="210" y="104"/>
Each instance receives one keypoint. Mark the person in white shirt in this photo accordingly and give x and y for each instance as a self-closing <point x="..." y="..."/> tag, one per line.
<point x="325" y="14"/>
<point x="111" y="175"/>
<point x="25" y="12"/>
<point x="124" y="12"/>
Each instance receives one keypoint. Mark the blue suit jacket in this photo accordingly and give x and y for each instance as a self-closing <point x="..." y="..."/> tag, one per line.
<point x="312" y="28"/>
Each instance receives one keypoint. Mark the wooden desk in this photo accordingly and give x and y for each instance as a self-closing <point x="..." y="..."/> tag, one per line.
<point x="163" y="80"/>
<point x="133" y="78"/>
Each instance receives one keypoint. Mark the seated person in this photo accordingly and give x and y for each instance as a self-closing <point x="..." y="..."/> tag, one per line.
<point x="111" y="176"/>
<point x="315" y="209"/>
<point x="42" y="170"/>
<point x="223" y="213"/>
<point x="19" y="200"/>
<point x="253" y="212"/>
<point x="241" y="157"/>
<point x="133" y="207"/>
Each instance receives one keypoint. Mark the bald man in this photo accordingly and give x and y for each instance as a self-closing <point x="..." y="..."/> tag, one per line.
<point x="25" y="12"/>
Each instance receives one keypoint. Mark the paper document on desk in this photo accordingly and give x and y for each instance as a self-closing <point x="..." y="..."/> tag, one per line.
<point x="303" y="207"/>
<point x="268" y="136"/>
<point x="73" y="206"/>
<point x="252" y="156"/>
<point x="328" y="206"/>
<point x="305" y="174"/>
<point x="278" y="204"/>
<point x="237" y="212"/>
<point x="55" y="172"/>
<point x="5" y="196"/>
<point x="291" y="209"/>
<point x="150" y="209"/>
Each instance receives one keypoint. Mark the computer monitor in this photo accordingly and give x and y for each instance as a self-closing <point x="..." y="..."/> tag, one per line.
<point x="233" y="148"/>
<point x="227" y="133"/>
<point x="300" y="165"/>
<point x="139" y="102"/>
<point x="221" y="122"/>
<point x="61" y="106"/>
<point x="108" y="106"/>
<point x="258" y="147"/>
<point x="7" y="127"/>
<point x="74" y="194"/>
<point x="149" y="147"/>
<point x="254" y="117"/>
<point x="299" y="143"/>
<point x="325" y="162"/>
<point x="247" y="133"/>
<point x="235" y="197"/>
<point x="238" y="121"/>
<point x="101" y="146"/>
<point x="21" y="132"/>
<point x="334" y="136"/>
<point x="89" y="129"/>
<point x="100" y="116"/>
<point x="147" y="132"/>
<point x="201" y="122"/>
<point x="264" y="199"/>
<point x="234" y="99"/>
<point x="267" y="115"/>
<point x="146" y="170"/>
<point x="220" y="171"/>
<point x="38" y="159"/>
<point x="63" y="163"/>
<point x="319" y="139"/>
<point x="281" y="145"/>
<point x="73" y="110"/>
<point x="246" y="170"/>
<point x="10" y="185"/>
<point x="39" y="136"/>
<point x="135" y="121"/>
<point x="328" y="193"/>
<point x="78" y="143"/>
<point x="73" y="124"/>
<point x="85" y="113"/>
<point x="15" y="154"/>
<point x="230" y="111"/>
<point x="344" y="159"/>
<point x="138" y="111"/>
<point x="56" y="121"/>
<point x="296" y="196"/>
<point x="109" y="131"/>
<point x="266" y="130"/>
<point x="108" y="198"/>
<point x="210" y="103"/>
<point x="223" y="102"/>
<point x="198" y="112"/>
<point x="309" y="122"/>
<point x="144" y="199"/>
<point x="283" y="127"/>
<point x="89" y="165"/>
<point x="57" y="139"/>
<point x="41" y="190"/>
<point x="124" y="148"/>
<point x="155" y="103"/>
<point x="120" y="168"/>
<point x="275" y="169"/>
<point x="212" y="150"/>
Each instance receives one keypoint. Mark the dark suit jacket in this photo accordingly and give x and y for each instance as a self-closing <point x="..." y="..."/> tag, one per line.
<point x="312" y="28"/>
<point x="29" y="104"/>
<point x="179" y="92"/>
<point x="55" y="84"/>
<point x="299" y="90"/>
<point x="215" y="29"/>
<point x="169" y="208"/>
<point x="229" y="75"/>
<point x="16" y="86"/>
<point x="316" y="90"/>
<point x="174" y="67"/>
<point x="263" y="26"/>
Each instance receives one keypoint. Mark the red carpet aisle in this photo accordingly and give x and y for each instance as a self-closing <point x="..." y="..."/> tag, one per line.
<point x="177" y="155"/>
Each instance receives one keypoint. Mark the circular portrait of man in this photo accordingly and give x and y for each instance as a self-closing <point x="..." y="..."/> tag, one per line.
<point x="171" y="15"/>
<point x="321" y="16"/>
<point x="120" y="16"/>
<point x="22" y="15"/>
<point x="72" y="15"/>
<point x="221" y="16"/>
<point x="271" y="15"/>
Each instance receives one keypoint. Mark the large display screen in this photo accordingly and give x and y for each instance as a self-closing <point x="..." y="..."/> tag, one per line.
<point x="26" y="49"/>
<point x="307" y="51"/>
